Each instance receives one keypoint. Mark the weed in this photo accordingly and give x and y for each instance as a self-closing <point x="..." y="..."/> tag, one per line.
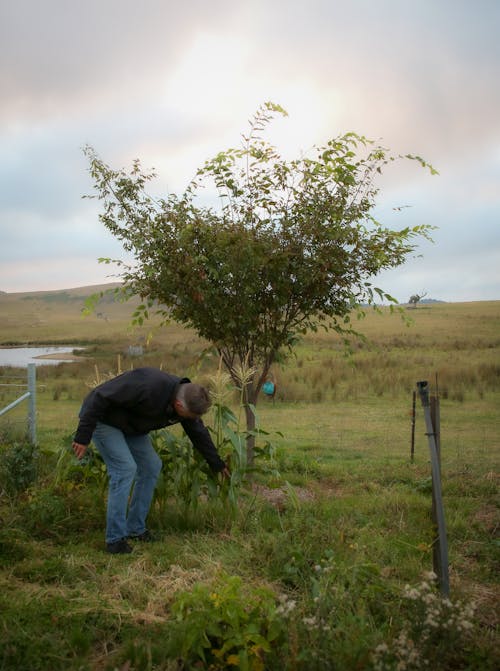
<point x="18" y="468"/>
<point x="435" y="634"/>
<point x="42" y="632"/>
<point x="184" y="474"/>
<point x="343" y="609"/>
<point x="224" y="625"/>
<point x="15" y="545"/>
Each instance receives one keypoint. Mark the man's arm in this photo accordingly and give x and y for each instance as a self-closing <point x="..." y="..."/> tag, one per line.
<point x="202" y="441"/>
<point x="94" y="407"/>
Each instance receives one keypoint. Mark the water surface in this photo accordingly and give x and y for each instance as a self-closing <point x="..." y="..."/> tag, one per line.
<point x="22" y="356"/>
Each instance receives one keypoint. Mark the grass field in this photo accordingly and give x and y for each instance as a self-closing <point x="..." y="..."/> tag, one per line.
<point x="322" y="565"/>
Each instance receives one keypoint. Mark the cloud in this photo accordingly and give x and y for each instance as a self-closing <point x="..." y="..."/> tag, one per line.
<point x="448" y="277"/>
<point x="57" y="54"/>
<point x="174" y="83"/>
<point x="54" y="273"/>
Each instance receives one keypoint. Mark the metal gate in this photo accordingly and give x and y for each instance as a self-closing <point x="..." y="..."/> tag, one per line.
<point x="29" y="396"/>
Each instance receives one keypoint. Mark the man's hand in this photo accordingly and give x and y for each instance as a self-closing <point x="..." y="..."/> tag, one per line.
<point x="79" y="449"/>
<point x="226" y="473"/>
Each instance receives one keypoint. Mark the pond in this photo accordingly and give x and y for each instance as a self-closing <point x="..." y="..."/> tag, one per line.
<point x="40" y="356"/>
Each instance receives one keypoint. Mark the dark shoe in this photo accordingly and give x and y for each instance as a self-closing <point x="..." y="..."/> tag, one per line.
<point x="145" y="537"/>
<point x="120" y="547"/>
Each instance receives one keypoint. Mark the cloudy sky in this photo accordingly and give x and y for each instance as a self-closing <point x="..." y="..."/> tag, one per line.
<point x="172" y="83"/>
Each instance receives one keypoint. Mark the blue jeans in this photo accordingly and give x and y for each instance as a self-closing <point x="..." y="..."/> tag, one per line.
<point x="127" y="459"/>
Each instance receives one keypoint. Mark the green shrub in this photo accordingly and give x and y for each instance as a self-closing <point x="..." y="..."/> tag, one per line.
<point x="14" y="545"/>
<point x="45" y="514"/>
<point x="18" y="468"/>
<point x="225" y="626"/>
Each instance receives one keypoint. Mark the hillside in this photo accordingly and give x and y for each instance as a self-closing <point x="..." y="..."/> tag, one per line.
<point x="75" y="292"/>
<point x="60" y="316"/>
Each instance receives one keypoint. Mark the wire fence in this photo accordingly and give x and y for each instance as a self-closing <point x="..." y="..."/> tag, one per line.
<point x="13" y="382"/>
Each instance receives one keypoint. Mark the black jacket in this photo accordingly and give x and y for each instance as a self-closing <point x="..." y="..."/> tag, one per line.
<point x="137" y="402"/>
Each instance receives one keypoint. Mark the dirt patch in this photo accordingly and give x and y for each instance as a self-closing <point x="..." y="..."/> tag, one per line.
<point x="489" y="518"/>
<point x="281" y="497"/>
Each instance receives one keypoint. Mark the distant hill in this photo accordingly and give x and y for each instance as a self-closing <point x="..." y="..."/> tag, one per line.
<point x="64" y="294"/>
<point x="77" y="293"/>
<point x="60" y="316"/>
<point x="431" y="300"/>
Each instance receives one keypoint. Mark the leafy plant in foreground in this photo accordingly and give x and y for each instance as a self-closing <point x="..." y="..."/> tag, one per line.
<point x="226" y="626"/>
<point x="184" y="474"/>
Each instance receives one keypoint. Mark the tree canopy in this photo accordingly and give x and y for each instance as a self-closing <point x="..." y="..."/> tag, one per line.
<point x="286" y="245"/>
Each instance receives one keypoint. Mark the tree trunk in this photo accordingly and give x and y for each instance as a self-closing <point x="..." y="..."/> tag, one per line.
<point x="250" y="417"/>
<point x="250" y="399"/>
<point x="250" y="393"/>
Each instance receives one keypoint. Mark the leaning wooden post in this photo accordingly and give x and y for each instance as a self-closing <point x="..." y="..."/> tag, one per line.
<point x="434" y="410"/>
<point x="440" y="546"/>
<point x="436" y="423"/>
<point x="412" y="449"/>
<point x="32" y="403"/>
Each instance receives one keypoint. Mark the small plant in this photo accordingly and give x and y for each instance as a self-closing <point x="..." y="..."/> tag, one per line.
<point x="45" y="514"/>
<point x="230" y="438"/>
<point x="99" y="377"/>
<point x="434" y="634"/>
<point x="18" y="468"/>
<point x="70" y="470"/>
<point x="343" y="609"/>
<point x="226" y="626"/>
<point x="186" y="476"/>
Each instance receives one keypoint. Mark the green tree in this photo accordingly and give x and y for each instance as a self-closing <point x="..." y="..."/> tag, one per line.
<point x="285" y="247"/>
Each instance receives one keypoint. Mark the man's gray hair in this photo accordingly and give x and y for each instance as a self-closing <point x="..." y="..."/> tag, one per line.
<point x="194" y="398"/>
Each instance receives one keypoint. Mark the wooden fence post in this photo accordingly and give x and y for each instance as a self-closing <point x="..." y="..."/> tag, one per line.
<point x="32" y="403"/>
<point x="440" y="545"/>
<point x="436" y="423"/>
<point x="412" y="448"/>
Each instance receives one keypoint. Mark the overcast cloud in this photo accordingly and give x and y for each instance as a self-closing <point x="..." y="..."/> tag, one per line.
<point x="172" y="83"/>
